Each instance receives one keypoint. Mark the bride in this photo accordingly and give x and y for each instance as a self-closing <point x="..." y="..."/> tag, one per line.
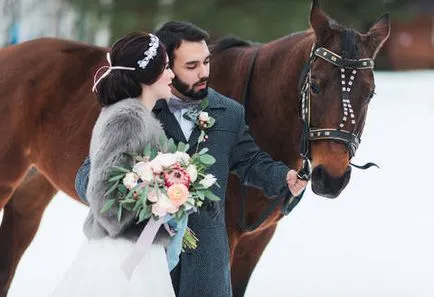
<point x="137" y="75"/>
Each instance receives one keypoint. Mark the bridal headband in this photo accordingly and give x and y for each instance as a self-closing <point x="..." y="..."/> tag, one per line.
<point x="149" y="54"/>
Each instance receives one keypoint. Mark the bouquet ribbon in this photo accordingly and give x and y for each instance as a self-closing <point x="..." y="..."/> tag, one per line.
<point x="142" y="245"/>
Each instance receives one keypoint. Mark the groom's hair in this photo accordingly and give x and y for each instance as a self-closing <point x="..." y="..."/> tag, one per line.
<point x="172" y="33"/>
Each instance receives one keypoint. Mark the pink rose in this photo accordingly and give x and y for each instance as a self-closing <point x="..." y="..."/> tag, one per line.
<point x="177" y="175"/>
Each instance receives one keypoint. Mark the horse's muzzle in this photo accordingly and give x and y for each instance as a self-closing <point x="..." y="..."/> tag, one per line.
<point x="325" y="185"/>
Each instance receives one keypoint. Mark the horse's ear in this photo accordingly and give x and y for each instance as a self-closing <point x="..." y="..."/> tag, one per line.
<point x="319" y="21"/>
<point x="378" y="33"/>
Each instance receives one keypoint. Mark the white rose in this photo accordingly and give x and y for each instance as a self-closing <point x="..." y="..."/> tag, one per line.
<point x="130" y="180"/>
<point x="165" y="160"/>
<point x="203" y="116"/>
<point x="156" y="166"/>
<point x="163" y="206"/>
<point x="152" y="196"/>
<point x="144" y="170"/>
<point x="208" y="181"/>
<point x="182" y="157"/>
<point x="192" y="172"/>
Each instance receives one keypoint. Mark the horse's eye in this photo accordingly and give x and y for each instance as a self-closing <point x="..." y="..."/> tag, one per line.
<point x="315" y="88"/>
<point x="372" y="94"/>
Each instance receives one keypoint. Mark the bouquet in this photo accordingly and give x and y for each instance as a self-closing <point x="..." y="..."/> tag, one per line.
<point x="163" y="181"/>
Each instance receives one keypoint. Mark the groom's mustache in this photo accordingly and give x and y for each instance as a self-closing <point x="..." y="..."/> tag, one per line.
<point x="202" y="80"/>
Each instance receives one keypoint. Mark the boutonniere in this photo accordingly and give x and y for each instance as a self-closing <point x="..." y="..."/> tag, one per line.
<point x="201" y="119"/>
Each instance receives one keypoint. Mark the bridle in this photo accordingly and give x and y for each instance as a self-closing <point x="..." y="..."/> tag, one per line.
<point x="351" y="139"/>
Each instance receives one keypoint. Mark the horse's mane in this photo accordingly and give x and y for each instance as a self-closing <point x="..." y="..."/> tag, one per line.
<point x="350" y="47"/>
<point x="227" y="43"/>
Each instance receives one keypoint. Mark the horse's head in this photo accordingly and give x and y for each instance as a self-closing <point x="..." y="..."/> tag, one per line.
<point x="336" y="93"/>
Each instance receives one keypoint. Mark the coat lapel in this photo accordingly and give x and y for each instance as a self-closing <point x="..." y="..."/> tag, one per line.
<point x="170" y="124"/>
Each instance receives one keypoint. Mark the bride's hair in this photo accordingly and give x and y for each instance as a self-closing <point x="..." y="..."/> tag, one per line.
<point x="135" y="59"/>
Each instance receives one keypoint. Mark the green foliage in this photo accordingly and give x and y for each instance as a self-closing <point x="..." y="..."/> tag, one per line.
<point x="255" y="20"/>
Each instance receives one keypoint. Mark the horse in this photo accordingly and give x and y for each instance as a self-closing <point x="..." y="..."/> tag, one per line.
<point x="302" y="93"/>
<point x="48" y="110"/>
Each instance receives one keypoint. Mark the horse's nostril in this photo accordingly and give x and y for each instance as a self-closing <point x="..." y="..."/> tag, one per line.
<point x="319" y="173"/>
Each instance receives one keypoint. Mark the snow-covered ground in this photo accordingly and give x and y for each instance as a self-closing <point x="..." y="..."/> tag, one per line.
<point x="373" y="240"/>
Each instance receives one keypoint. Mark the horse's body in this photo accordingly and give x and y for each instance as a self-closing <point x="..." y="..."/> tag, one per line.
<point x="48" y="111"/>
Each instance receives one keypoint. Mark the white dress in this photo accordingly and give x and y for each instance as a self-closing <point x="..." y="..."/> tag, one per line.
<point x="96" y="272"/>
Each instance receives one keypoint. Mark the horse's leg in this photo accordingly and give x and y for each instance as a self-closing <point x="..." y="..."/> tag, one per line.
<point x="21" y="218"/>
<point x="247" y="253"/>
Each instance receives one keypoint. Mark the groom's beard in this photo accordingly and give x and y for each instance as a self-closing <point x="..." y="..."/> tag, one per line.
<point x="184" y="89"/>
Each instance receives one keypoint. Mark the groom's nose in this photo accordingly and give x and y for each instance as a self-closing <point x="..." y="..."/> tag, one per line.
<point x="203" y="71"/>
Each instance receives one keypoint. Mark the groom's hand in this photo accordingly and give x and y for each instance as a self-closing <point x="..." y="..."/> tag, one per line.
<point x="295" y="185"/>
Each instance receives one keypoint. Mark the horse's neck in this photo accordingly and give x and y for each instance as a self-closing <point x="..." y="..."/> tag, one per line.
<point x="275" y="92"/>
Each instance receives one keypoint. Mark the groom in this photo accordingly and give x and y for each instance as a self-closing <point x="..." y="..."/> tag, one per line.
<point x="205" y="271"/>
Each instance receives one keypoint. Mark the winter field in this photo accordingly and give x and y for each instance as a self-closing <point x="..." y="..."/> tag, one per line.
<point x="372" y="241"/>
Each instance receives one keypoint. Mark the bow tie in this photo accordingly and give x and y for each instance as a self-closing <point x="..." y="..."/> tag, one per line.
<point x="176" y="105"/>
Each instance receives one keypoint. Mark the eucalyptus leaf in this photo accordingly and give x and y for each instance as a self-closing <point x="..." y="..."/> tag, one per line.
<point x="128" y="207"/>
<point x="122" y="189"/>
<point x="181" y="147"/>
<point x="116" y="177"/>
<point x="120" y="213"/>
<point x="201" y="195"/>
<point x="204" y="103"/>
<point x="147" y="150"/>
<point x="203" y="151"/>
<point x="154" y="153"/>
<point x="163" y="141"/>
<point x="187" y="146"/>
<point x="107" y="205"/>
<point x="112" y="188"/>
<point x="142" y="215"/>
<point x="211" y="196"/>
<point x="144" y="195"/>
<point x="119" y="168"/>
<point x="171" y="146"/>
<point x="207" y="159"/>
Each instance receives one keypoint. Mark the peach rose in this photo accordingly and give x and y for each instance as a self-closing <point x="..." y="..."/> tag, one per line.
<point x="178" y="194"/>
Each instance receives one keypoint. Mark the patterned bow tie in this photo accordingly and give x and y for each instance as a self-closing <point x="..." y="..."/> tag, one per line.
<point x="176" y="105"/>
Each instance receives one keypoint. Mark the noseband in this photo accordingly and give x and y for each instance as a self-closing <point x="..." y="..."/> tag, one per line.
<point x="351" y="139"/>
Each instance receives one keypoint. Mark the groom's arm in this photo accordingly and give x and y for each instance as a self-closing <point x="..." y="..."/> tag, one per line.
<point x="255" y="167"/>
<point x="82" y="179"/>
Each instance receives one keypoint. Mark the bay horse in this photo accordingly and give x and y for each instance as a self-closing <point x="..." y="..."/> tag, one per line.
<point x="48" y="111"/>
<point x="306" y="97"/>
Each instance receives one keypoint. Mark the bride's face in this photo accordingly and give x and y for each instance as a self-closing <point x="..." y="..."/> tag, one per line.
<point x="162" y="87"/>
